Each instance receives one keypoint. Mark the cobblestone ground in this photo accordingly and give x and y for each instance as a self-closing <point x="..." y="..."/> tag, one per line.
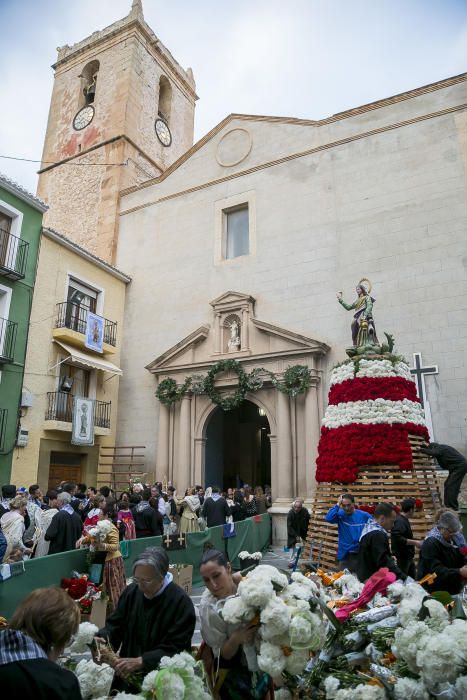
<point x="275" y="556"/>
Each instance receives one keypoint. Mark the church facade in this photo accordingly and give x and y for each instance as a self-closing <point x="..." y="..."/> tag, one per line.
<point x="287" y="213"/>
<point x="237" y="246"/>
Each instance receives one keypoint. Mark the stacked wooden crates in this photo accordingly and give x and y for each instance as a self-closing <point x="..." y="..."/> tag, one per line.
<point x="385" y="482"/>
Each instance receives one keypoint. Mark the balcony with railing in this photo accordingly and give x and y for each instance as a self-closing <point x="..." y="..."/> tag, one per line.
<point x="8" y="331"/>
<point x="71" y="322"/>
<point x="3" y="420"/>
<point x="13" y="255"/>
<point x="59" y="411"/>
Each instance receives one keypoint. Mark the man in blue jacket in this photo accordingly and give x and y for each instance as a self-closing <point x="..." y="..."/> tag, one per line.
<point x="350" y="523"/>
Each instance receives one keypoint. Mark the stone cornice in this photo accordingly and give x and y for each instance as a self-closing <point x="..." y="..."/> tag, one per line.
<point x="279" y="161"/>
<point x="300" y="122"/>
<point x="266" y="358"/>
<point x="100" y="145"/>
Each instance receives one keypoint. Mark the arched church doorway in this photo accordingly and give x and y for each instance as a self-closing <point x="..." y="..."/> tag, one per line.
<point x="238" y="448"/>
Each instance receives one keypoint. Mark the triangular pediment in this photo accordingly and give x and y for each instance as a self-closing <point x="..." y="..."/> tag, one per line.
<point x="180" y="353"/>
<point x="231" y="299"/>
<point x="289" y="339"/>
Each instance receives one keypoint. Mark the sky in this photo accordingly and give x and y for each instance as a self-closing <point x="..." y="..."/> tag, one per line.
<point x="300" y="58"/>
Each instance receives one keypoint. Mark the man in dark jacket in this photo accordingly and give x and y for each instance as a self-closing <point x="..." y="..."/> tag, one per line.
<point x="402" y="540"/>
<point x="148" y="521"/>
<point x="298" y="518"/>
<point x="66" y="526"/>
<point x="440" y="556"/>
<point x="456" y="464"/>
<point x="215" y="508"/>
<point x="374" y="552"/>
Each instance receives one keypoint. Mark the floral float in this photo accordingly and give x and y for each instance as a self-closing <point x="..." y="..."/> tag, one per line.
<point x="372" y="409"/>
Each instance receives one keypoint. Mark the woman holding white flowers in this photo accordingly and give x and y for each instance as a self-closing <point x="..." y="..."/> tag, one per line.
<point x="105" y="538"/>
<point x="225" y="640"/>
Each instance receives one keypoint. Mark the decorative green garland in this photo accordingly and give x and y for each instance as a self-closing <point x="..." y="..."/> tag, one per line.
<point x="297" y="380"/>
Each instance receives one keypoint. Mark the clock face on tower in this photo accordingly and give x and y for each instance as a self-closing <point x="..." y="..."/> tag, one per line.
<point x="163" y="132"/>
<point x="83" y="118"/>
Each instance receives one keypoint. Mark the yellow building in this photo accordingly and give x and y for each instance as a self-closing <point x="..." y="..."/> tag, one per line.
<point x="78" y="302"/>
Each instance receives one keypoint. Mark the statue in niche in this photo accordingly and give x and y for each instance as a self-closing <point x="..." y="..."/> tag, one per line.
<point x="234" y="340"/>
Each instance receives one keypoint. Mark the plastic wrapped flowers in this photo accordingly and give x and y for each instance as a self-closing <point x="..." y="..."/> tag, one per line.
<point x="179" y="677"/>
<point x="289" y="624"/>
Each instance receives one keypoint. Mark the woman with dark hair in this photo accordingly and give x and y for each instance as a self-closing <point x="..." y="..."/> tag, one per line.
<point x="154" y="618"/>
<point x="97" y="504"/>
<point x="39" y="630"/>
<point x="224" y="640"/>
<point x="249" y="501"/>
<point x="238" y="511"/>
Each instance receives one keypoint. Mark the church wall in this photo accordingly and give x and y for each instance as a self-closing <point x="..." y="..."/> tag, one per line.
<point x="391" y="207"/>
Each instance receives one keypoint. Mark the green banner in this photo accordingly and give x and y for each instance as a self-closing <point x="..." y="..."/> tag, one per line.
<point x="253" y="535"/>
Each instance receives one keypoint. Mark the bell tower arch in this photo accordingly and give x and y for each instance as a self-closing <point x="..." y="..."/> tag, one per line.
<point x="105" y="131"/>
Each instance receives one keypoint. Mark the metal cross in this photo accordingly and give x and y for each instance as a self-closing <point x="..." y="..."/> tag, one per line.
<point x="419" y="372"/>
<point x="180" y="539"/>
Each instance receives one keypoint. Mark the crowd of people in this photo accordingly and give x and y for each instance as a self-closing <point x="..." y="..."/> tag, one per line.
<point x="368" y="542"/>
<point x="33" y="525"/>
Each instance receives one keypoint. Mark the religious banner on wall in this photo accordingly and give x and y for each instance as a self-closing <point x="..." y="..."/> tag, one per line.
<point x="82" y="432"/>
<point x="94" y="338"/>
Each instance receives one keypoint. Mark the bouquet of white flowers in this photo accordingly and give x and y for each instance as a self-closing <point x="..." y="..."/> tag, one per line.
<point x="99" y="532"/>
<point x="94" y="681"/>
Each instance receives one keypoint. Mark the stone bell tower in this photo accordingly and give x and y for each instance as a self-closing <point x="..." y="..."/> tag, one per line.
<point x="122" y="111"/>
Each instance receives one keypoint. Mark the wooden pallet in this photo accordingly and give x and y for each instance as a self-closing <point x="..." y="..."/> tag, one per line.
<point x="118" y="464"/>
<point x="385" y="482"/>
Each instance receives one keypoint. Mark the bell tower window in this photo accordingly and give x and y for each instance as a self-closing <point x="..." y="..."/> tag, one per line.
<point x="89" y="83"/>
<point x="165" y="99"/>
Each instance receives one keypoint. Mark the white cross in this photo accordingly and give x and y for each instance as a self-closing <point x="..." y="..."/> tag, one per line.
<point x="419" y="372"/>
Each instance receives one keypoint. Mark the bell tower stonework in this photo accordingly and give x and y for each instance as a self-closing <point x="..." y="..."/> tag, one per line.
<point x="122" y="111"/>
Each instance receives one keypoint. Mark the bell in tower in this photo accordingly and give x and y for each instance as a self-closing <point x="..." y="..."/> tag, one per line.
<point x="122" y="111"/>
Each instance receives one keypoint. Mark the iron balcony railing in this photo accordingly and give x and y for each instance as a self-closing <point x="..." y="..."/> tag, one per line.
<point x="13" y="255"/>
<point x="60" y="408"/>
<point x="3" y="420"/>
<point x="8" y="331"/>
<point x="75" y="317"/>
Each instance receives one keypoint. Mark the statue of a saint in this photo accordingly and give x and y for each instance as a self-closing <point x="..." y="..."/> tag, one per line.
<point x="363" y="326"/>
<point x="234" y="340"/>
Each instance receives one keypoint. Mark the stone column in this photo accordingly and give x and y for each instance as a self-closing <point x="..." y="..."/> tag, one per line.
<point x="312" y="432"/>
<point x="184" y="446"/>
<point x="217" y="334"/>
<point x="162" y="456"/>
<point x="284" y="487"/>
<point x="282" y="476"/>
<point x="244" y="330"/>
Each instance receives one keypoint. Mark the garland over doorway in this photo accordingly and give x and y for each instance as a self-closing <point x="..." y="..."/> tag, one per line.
<point x="296" y="380"/>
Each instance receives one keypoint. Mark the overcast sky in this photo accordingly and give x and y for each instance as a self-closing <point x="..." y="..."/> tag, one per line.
<point x="300" y="58"/>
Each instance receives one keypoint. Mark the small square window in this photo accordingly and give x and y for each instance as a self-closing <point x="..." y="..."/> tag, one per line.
<point x="236" y="232"/>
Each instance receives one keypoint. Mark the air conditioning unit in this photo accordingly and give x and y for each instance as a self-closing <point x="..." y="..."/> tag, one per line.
<point x="23" y="438"/>
<point x="26" y="399"/>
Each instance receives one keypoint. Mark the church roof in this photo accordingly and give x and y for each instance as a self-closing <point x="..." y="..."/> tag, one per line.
<point x="19" y="191"/>
<point x="409" y="94"/>
<point x="71" y="245"/>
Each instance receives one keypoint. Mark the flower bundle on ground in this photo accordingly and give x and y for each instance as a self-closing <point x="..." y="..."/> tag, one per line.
<point x="247" y="555"/>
